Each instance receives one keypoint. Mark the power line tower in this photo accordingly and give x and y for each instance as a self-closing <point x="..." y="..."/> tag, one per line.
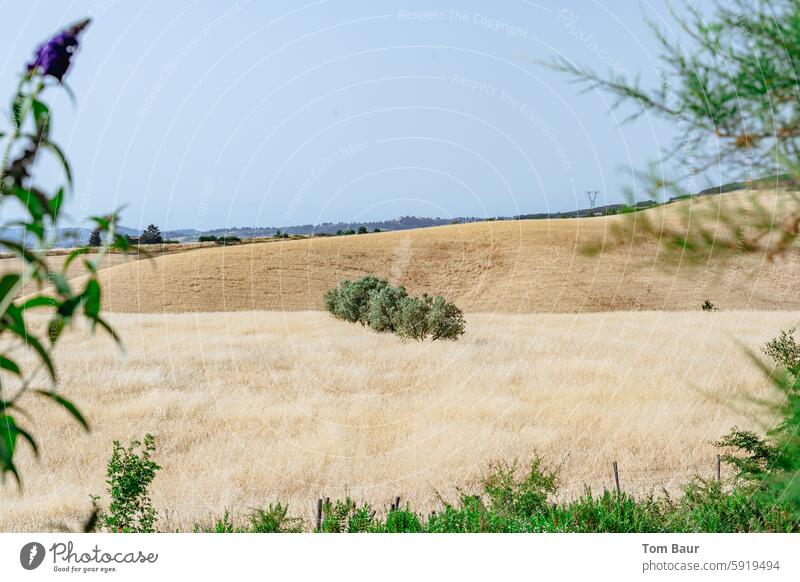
<point x="592" y="195"/>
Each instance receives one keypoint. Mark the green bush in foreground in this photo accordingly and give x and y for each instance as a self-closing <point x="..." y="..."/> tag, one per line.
<point x="373" y="302"/>
<point x="129" y="474"/>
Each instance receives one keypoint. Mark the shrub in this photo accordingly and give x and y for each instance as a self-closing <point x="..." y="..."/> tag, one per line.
<point x="412" y="317"/>
<point x="519" y="498"/>
<point x="384" y="304"/>
<point x="708" y="306"/>
<point x="445" y="320"/>
<point x="402" y="521"/>
<point x="785" y="352"/>
<point x="274" y="519"/>
<point x="129" y="475"/>
<point x="362" y="230"/>
<point x="351" y="301"/>
<point x="224" y="525"/>
<point x="373" y="302"/>
<point x="346" y="517"/>
<point x="207" y="238"/>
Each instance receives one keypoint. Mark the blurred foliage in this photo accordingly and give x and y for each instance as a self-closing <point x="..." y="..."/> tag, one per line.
<point x="62" y="300"/>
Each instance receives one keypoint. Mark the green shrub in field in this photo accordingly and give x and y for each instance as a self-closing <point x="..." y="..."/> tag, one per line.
<point x="384" y="304"/>
<point x="445" y="320"/>
<point x="785" y="351"/>
<point x="129" y="474"/>
<point x="274" y="519"/>
<point x="412" y="318"/>
<point x="373" y="302"/>
<point x="223" y="525"/>
<point x="706" y="506"/>
<point x="347" y="517"/>
<point x="350" y="301"/>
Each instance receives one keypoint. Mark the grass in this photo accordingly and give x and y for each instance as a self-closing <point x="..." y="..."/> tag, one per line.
<point x="255" y="408"/>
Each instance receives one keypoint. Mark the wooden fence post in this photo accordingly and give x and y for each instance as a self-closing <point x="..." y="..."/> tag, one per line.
<point x="616" y="477"/>
<point x="319" y="513"/>
<point x="719" y="468"/>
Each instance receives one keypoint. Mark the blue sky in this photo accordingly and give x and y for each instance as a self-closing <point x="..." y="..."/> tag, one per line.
<point x="208" y="114"/>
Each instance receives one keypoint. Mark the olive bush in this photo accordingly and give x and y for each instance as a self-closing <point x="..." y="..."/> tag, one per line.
<point x="374" y="303"/>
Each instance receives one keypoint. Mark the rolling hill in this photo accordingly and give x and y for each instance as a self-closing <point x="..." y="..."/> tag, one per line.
<point x="506" y="266"/>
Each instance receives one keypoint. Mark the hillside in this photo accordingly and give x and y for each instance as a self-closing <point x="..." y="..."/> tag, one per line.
<point x="506" y="266"/>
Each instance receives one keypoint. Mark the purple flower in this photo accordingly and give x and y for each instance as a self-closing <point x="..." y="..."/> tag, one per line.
<point x="53" y="57"/>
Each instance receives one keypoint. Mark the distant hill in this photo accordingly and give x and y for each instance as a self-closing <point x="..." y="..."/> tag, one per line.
<point x="490" y="266"/>
<point x="69" y="237"/>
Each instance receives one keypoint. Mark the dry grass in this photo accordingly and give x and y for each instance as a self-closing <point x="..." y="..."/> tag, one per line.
<point x="253" y="407"/>
<point x="509" y="266"/>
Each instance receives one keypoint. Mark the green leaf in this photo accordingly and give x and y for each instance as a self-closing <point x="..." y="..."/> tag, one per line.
<point x="104" y="324"/>
<point x="41" y="115"/>
<point x="39" y="301"/>
<point x="26" y="435"/>
<point x="66" y="404"/>
<point x="91" y="301"/>
<point x="54" y="329"/>
<point x="14" y="322"/>
<point x="8" y="442"/>
<point x="7" y="283"/>
<point x="54" y="206"/>
<point x="10" y="365"/>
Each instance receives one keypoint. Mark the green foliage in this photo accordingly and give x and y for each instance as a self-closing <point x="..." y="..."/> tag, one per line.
<point x="445" y="320"/>
<point x="771" y="466"/>
<point x="785" y="351"/>
<point x="728" y="79"/>
<point x="207" y="238"/>
<point x="362" y="230"/>
<point x="274" y="519"/>
<point x="37" y="214"/>
<point x="373" y="302"/>
<point x="151" y="236"/>
<point x="412" y="318"/>
<point x="351" y="300"/>
<point x="345" y="516"/>
<point x="227" y="240"/>
<point x="383" y="307"/>
<point x="129" y="474"/>
<point x="708" y="306"/>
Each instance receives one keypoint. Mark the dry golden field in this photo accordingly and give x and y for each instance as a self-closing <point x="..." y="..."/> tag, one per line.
<point x="508" y="266"/>
<point x="251" y="407"/>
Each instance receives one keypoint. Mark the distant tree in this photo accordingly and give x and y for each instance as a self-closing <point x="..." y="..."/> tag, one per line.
<point x="277" y="233"/>
<point x="94" y="239"/>
<point x="339" y="232"/>
<point x="151" y="236"/>
<point x="349" y="231"/>
<point x="377" y="230"/>
<point x="362" y="230"/>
